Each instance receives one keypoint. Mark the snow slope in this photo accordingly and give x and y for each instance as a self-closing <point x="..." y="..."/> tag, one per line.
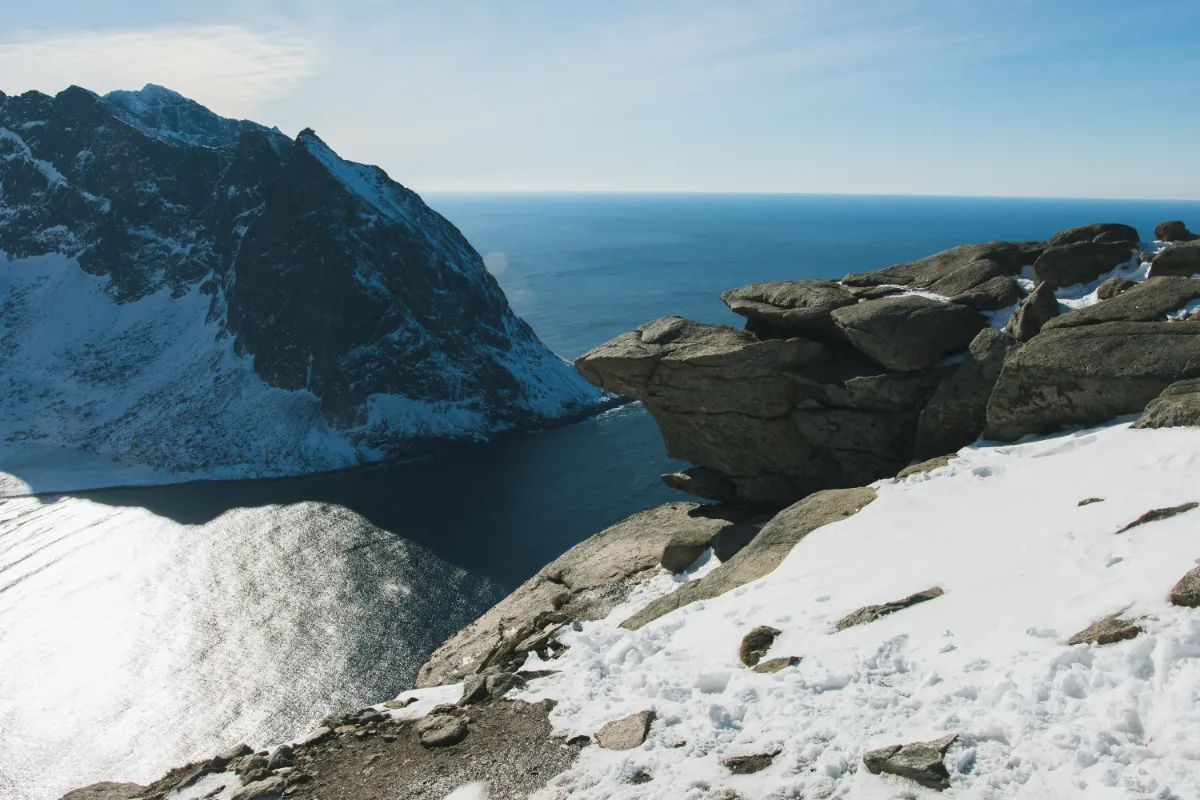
<point x="1023" y="567"/>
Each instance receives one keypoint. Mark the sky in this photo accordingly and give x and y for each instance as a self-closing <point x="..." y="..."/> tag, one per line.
<point x="1035" y="98"/>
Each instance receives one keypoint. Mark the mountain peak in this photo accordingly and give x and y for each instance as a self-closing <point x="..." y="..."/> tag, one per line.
<point x="171" y="117"/>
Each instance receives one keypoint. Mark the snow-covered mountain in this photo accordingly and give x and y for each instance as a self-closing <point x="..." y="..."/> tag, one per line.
<point x="187" y="295"/>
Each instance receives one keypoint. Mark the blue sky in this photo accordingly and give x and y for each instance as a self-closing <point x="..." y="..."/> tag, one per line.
<point x="1062" y="98"/>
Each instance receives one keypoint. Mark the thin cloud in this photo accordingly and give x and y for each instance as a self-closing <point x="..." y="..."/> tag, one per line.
<point x="226" y="67"/>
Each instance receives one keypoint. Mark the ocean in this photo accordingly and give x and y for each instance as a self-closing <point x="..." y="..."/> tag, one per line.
<point x="142" y="628"/>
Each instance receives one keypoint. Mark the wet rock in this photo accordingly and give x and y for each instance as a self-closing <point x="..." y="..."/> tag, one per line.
<point x="1177" y="407"/>
<point x="1173" y="231"/>
<point x="764" y="553"/>
<point x="730" y="540"/>
<point x="1106" y="631"/>
<point x="106" y="791"/>
<point x="627" y="733"/>
<point x="957" y="413"/>
<point x="1089" y="374"/>
<point x="756" y="643"/>
<point x="1011" y="256"/>
<point x="1186" y="593"/>
<point x="584" y="583"/>
<point x="1033" y="313"/>
<point x="1080" y="262"/>
<point x="868" y="614"/>
<point x="1113" y="287"/>
<point x="268" y="787"/>
<point x="783" y="309"/>
<point x="1182" y="258"/>
<point x="922" y="762"/>
<point x="748" y="765"/>
<point x="1159" y="514"/>
<point x="1088" y="233"/>
<point x="773" y="665"/>
<point x="909" y="332"/>
<point x="442" y="730"/>
<point x="1150" y="301"/>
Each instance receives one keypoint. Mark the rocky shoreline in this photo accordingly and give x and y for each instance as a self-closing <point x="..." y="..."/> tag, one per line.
<point x="790" y="424"/>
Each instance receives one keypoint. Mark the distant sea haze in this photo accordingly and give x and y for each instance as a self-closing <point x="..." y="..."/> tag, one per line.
<point x="155" y="626"/>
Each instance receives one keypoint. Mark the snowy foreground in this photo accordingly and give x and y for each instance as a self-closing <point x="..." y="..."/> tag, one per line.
<point x="1023" y="567"/>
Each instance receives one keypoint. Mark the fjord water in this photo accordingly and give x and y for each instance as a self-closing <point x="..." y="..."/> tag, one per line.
<point x="141" y="628"/>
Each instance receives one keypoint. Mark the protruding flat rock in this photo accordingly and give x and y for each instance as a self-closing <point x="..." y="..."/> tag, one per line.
<point x="1159" y="514"/>
<point x="773" y="665"/>
<point x="1080" y="262"/>
<point x="1088" y="233"/>
<point x="781" y="309"/>
<point x="1177" y="407"/>
<point x="748" y="765"/>
<point x="626" y="733"/>
<point x="1150" y="301"/>
<point x="1106" y="631"/>
<point x="868" y="614"/>
<point x="923" y="762"/>
<point x="106" y="791"/>
<point x="908" y="332"/>
<point x="1011" y="256"/>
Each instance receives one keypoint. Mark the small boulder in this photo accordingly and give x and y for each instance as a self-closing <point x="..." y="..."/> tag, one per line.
<point x="1177" y="407"/>
<point x="1113" y="287"/>
<point x="474" y="690"/>
<point x="1181" y="258"/>
<point x="706" y="482"/>
<point x="967" y="277"/>
<point x="282" y="757"/>
<point x="441" y="730"/>
<point x="1033" y="313"/>
<point x="626" y="733"/>
<point x="1186" y="593"/>
<point x="783" y="309"/>
<point x="1106" y="631"/>
<point x="319" y="735"/>
<point x="1079" y="262"/>
<point x="909" y="332"/>
<point x="1088" y="233"/>
<point x="923" y="762"/>
<point x="106" y="791"/>
<point x="929" y="465"/>
<point x="1173" y="231"/>
<point x="993" y="295"/>
<point x="756" y="643"/>
<point x="871" y="613"/>
<point x="729" y="541"/>
<point x="267" y="787"/>
<point x="773" y="665"/>
<point x="1159" y="514"/>
<point x="398" y="703"/>
<point x="748" y="765"/>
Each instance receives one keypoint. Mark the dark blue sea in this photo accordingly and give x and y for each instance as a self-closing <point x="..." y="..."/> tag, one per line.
<point x="183" y="619"/>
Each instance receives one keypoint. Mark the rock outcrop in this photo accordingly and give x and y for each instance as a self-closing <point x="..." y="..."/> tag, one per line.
<point x="1088" y="233"/>
<point x="756" y="643"/>
<point x="1181" y="258"/>
<point x="1186" y="592"/>
<point x="626" y="733"/>
<point x="868" y="614"/>
<point x="584" y="583"/>
<point x="1173" y="231"/>
<point x="1080" y="262"/>
<point x="922" y="762"/>
<point x="908" y="333"/>
<point x="1107" y="631"/>
<point x="1177" y="407"/>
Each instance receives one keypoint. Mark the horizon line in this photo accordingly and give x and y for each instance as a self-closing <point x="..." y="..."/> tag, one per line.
<point x="750" y="192"/>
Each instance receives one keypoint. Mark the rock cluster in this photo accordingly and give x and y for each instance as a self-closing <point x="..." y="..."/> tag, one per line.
<point x="839" y="383"/>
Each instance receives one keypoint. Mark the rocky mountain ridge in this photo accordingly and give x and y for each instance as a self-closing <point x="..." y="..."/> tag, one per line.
<point x="172" y="278"/>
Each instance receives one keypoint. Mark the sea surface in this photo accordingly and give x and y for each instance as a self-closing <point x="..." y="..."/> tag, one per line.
<point x="142" y="628"/>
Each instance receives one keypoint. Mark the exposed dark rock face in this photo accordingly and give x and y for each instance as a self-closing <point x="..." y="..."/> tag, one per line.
<point x="764" y="553"/>
<point x="1159" y="514"/>
<point x="868" y="614"/>
<point x="1080" y="262"/>
<point x="1113" y="287"/>
<point x="1106" y="631"/>
<point x="756" y="643"/>
<point x="730" y="540"/>
<point x="957" y="412"/>
<point x="748" y="765"/>
<point x="330" y="281"/>
<point x="584" y="583"/>
<point x="1089" y="374"/>
<point x="106" y="791"/>
<point x="923" y="762"/>
<point x="1177" y="407"/>
<point x="1173" y="231"/>
<point x="1033" y="313"/>
<point x="1088" y="233"/>
<point x="1150" y="301"/>
<point x="1182" y="258"/>
<point x="1186" y="593"/>
<point x="908" y="333"/>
